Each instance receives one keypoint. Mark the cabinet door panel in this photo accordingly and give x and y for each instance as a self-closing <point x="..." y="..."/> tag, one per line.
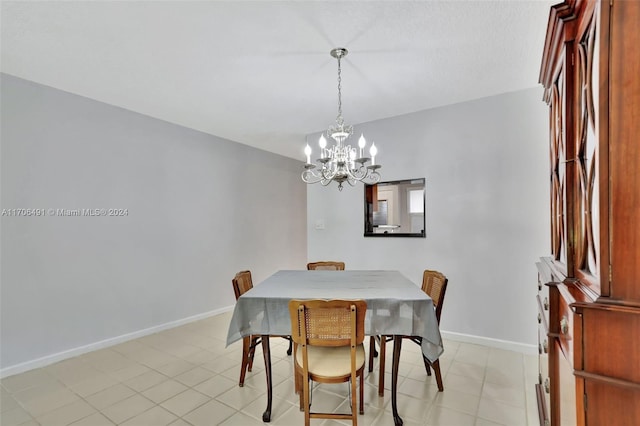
<point x="558" y="168"/>
<point x="607" y="402"/>
<point x="624" y="150"/>
<point x="610" y="342"/>
<point x="587" y="201"/>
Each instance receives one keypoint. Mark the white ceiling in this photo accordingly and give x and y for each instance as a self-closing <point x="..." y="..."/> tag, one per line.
<point x="260" y="73"/>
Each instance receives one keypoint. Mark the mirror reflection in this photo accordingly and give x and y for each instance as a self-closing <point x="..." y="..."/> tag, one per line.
<point x="395" y="209"/>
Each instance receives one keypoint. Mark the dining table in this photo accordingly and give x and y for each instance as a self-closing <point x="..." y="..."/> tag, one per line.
<point x="395" y="307"/>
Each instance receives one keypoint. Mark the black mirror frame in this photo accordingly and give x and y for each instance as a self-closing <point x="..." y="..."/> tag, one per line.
<point x="368" y="212"/>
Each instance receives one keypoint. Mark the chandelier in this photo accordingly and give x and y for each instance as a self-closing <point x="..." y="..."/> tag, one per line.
<point x="341" y="162"/>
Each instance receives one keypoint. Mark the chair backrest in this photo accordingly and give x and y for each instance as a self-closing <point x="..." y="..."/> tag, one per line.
<point x="242" y="283"/>
<point x="326" y="265"/>
<point x="327" y="322"/>
<point x="434" y="284"/>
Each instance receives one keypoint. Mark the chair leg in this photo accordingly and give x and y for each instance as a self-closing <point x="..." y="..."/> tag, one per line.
<point x="300" y="391"/>
<point x="246" y="348"/>
<point x="252" y="351"/>
<point x="436" y="368"/>
<point x="296" y="379"/>
<point x="299" y="387"/>
<point x="354" y="400"/>
<point x="383" y="356"/>
<point x="305" y="401"/>
<point x="301" y="400"/>
<point x="372" y="351"/>
<point x="426" y="365"/>
<point x="362" y="392"/>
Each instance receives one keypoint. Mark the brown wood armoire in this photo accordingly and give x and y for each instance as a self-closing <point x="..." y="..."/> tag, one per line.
<point x="589" y="286"/>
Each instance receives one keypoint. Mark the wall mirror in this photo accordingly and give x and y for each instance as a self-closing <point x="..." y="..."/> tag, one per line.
<point x="395" y="209"/>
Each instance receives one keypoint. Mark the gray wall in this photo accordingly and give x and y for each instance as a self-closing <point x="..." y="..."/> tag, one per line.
<point x="485" y="164"/>
<point x="200" y="208"/>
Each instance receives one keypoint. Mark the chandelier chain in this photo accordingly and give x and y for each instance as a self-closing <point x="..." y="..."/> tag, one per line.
<point x="339" y="119"/>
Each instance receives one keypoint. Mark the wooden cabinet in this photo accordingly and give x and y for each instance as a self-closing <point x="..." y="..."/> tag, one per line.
<point x="591" y="76"/>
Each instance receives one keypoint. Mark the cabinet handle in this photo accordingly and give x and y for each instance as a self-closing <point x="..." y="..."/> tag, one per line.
<point x="539" y="286"/>
<point x="539" y="349"/>
<point x="547" y="385"/>
<point x="545" y="346"/>
<point x="546" y="304"/>
<point x="564" y="325"/>
<point x="539" y="318"/>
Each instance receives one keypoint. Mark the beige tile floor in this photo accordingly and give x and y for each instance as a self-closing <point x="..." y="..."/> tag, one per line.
<point x="186" y="376"/>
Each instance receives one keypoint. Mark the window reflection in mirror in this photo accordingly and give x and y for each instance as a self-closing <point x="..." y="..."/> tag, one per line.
<point x="395" y="209"/>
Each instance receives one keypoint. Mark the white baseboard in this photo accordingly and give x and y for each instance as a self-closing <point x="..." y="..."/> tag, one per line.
<point x="493" y="343"/>
<point x="60" y="356"/>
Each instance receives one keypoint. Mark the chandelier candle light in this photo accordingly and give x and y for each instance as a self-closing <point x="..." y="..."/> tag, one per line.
<point x="341" y="162"/>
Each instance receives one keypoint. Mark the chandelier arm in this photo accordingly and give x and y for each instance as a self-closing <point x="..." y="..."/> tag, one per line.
<point x="328" y="173"/>
<point x="311" y="181"/>
<point x="359" y="173"/>
<point x="309" y="176"/>
<point x="375" y="177"/>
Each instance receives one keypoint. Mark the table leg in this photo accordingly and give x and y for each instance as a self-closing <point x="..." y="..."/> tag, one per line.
<point x="397" y="345"/>
<point x="266" y="351"/>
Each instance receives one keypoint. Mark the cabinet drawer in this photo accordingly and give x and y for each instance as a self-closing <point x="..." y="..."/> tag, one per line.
<point x="543" y="364"/>
<point x="543" y="289"/>
<point x="543" y="313"/>
<point x="543" y="344"/>
<point x="542" y="397"/>
<point x="543" y="388"/>
<point x="544" y="277"/>
<point x="565" y="318"/>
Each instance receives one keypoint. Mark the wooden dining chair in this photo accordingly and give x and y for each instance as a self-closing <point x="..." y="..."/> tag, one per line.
<point x="328" y="340"/>
<point x="326" y="266"/>
<point x="434" y="284"/>
<point x="242" y="283"/>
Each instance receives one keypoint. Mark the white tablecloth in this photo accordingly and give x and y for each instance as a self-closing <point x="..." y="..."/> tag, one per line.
<point x="395" y="305"/>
